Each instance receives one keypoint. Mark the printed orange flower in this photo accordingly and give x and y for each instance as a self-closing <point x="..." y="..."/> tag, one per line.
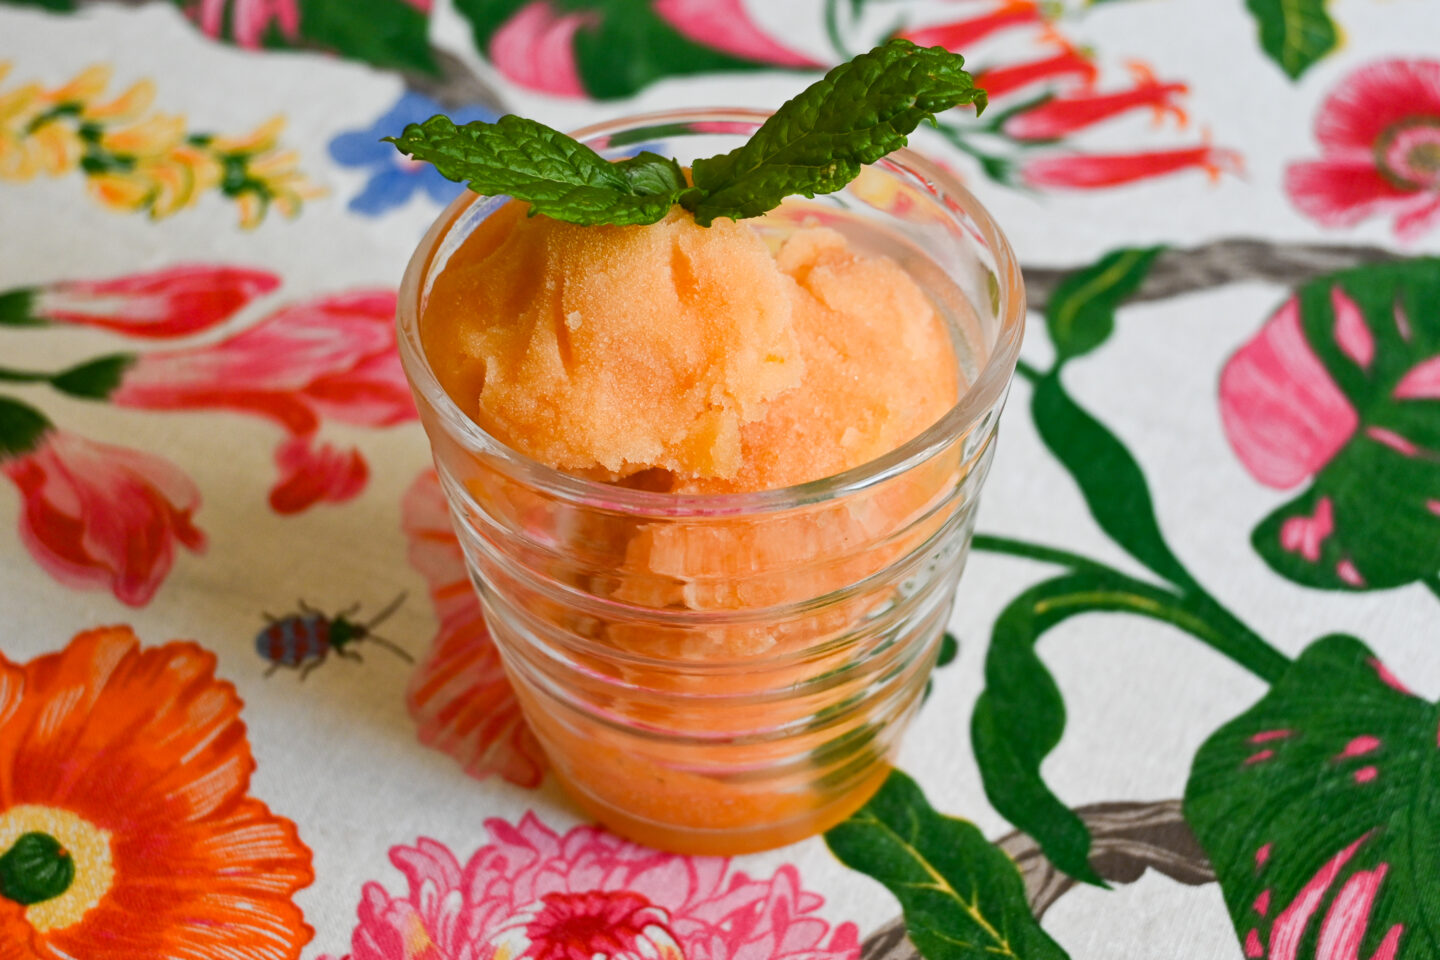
<point x="126" y="832"/>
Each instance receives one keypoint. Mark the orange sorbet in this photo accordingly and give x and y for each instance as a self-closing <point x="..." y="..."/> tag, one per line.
<point x="610" y="351"/>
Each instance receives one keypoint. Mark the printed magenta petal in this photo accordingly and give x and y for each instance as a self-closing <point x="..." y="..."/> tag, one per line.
<point x="1418" y="218"/>
<point x="311" y="475"/>
<point x="1374" y="98"/>
<point x="252" y="20"/>
<point x="536" y="49"/>
<point x="173" y="302"/>
<point x="1285" y="418"/>
<point x="1341" y="193"/>
<point x="1291" y="924"/>
<point x="725" y="25"/>
<point x="1352" y="333"/>
<point x="1345" y="922"/>
<point x="97" y="515"/>
<point x="1421" y="382"/>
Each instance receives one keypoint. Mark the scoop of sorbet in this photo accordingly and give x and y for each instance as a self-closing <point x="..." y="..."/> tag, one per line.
<point x="685" y="358"/>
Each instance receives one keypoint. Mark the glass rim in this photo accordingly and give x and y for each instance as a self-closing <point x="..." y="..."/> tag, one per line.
<point x="986" y="390"/>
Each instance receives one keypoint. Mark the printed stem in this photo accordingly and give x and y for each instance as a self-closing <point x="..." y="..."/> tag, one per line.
<point x="1220" y="263"/>
<point x="1028" y="371"/>
<point x="1193" y="610"/>
<point x="832" y="30"/>
<point x="24" y="376"/>
<point x="1035" y="551"/>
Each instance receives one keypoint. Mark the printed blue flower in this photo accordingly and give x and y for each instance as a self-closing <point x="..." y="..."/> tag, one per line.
<point x="395" y="177"/>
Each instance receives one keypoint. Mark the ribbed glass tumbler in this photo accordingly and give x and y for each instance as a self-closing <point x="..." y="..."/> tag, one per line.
<point x="721" y="674"/>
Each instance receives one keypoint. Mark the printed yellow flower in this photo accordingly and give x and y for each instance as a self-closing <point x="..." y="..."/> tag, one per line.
<point x="137" y="161"/>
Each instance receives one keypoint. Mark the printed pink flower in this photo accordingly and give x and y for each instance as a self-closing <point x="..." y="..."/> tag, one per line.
<point x="725" y="25"/>
<point x="1083" y="171"/>
<point x="96" y="515"/>
<point x="1282" y="412"/>
<point x="249" y="20"/>
<point x="164" y="303"/>
<point x="459" y="695"/>
<point x="329" y="359"/>
<point x="1379" y="136"/>
<point x="533" y="893"/>
<point x="535" y="48"/>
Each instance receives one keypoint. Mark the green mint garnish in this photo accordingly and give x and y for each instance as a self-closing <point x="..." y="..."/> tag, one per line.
<point x="815" y="143"/>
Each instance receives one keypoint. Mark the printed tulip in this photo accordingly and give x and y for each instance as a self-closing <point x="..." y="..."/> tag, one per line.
<point x="331" y="359"/>
<point x="1082" y="171"/>
<point x="960" y="35"/>
<point x="165" y="303"/>
<point x="1062" y="116"/>
<point x="95" y="515"/>
<point x="1379" y="136"/>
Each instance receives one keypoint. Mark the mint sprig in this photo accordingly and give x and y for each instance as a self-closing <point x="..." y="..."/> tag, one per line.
<point x="815" y="143"/>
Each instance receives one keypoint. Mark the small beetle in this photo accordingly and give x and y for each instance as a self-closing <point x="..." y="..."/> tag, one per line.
<point x="303" y="640"/>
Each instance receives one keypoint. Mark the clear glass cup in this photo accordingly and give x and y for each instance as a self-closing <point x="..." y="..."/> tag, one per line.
<point x="722" y="674"/>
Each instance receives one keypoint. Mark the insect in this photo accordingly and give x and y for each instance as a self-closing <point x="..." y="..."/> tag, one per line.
<point x="302" y="641"/>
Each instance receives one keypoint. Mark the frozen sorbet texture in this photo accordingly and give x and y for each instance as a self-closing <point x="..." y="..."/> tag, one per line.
<point x="683" y="358"/>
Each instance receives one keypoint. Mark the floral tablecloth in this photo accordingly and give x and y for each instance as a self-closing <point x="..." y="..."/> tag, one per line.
<point x="1216" y="502"/>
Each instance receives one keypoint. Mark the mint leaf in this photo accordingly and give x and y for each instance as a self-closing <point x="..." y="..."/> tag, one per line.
<point x="817" y="142"/>
<point x="557" y="175"/>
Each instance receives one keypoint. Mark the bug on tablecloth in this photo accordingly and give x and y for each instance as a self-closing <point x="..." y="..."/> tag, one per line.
<point x="302" y="641"/>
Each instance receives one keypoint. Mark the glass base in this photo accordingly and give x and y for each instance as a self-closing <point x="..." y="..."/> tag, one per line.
<point x="753" y="825"/>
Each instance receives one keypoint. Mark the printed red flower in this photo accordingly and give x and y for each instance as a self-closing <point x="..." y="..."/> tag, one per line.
<point x="1379" y="136"/>
<point x="537" y="894"/>
<point x="331" y="359"/>
<point x="1085" y="171"/>
<point x="960" y="35"/>
<point x="459" y="695"/>
<point x="165" y="303"/>
<point x="1068" y="64"/>
<point x="1062" y="116"/>
<point x="96" y="515"/>
<point x="124" y="776"/>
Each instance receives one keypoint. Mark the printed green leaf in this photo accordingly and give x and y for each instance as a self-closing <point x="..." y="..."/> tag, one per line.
<point x="95" y="379"/>
<point x="1320" y="810"/>
<point x="21" y="428"/>
<point x="17" y="308"/>
<point x="58" y="6"/>
<point x="1081" y="312"/>
<point x="817" y="142"/>
<point x="1110" y="480"/>
<point x="558" y="176"/>
<point x="1295" y="33"/>
<point x="1020" y="717"/>
<point x="388" y="33"/>
<point x="623" y="46"/>
<point x="1369" y="520"/>
<point x="963" y="898"/>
